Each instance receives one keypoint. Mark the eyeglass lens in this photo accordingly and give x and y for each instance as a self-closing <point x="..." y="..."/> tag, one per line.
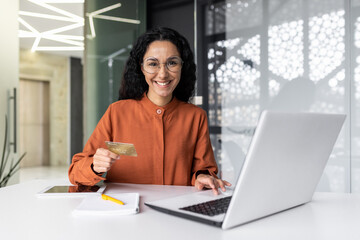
<point x="152" y="65"/>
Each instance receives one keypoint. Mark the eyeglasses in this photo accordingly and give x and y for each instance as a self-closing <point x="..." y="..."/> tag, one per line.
<point x="152" y="65"/>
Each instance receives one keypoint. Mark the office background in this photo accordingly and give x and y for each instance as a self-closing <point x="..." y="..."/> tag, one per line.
<point x="287" y="55"/>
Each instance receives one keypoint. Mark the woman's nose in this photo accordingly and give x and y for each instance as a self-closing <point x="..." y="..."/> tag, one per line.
<point x="163" y="71"/>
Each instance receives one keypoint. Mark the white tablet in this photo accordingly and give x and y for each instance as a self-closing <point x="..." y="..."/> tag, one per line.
<point x="71" y="190"/>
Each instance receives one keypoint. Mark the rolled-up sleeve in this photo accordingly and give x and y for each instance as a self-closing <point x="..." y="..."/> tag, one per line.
<point x="204" y="160"/>
<point x="80" y="171"/>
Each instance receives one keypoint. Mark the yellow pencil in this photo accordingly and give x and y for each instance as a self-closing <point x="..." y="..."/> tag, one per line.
<point x="106" y="197"/>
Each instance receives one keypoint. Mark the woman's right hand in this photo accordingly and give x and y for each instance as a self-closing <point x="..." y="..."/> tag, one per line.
<point x="103" y="160"/>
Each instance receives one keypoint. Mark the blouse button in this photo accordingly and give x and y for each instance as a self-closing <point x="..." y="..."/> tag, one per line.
<point x="158" y="111"/>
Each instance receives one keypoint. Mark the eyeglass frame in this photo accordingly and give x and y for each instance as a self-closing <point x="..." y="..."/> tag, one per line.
<point x="165" y="63"/>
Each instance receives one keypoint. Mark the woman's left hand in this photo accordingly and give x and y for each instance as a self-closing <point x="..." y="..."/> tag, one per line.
<point x="207" y="181"/>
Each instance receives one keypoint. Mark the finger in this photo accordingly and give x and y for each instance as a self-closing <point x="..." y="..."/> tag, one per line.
<point x="101" y="169"/>
<point x="203" y="182"/>
<point x="101" y="151"/>
<point x="210" y="182"/>
<point x="105" y="157"/>
<point x="199" y="185"/>
<point x="102" y="158"/>
<point x="102" y="161"/>
<point x="215" y="191"/>
<point x="216" y="182"/>
<point x="113" y="155"/>
<point x="221" y="185"/>
<point x="227" y="183"/>
<point x="214" y="185"/>
<point x="102" y="164"/>
<point x="107" y="153"/>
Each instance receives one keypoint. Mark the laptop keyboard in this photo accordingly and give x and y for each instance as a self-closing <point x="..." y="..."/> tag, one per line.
<point x="210" y="208"/>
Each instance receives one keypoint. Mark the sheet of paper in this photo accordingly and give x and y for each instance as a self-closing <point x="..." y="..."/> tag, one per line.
<point x="95" y="205"/>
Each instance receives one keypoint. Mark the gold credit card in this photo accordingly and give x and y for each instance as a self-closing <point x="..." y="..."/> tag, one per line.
<point x="127" y="149"/>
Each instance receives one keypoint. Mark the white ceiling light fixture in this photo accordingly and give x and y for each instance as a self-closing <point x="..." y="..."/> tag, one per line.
<point x="60" y="49"/>
<point x="118" y="19"/>
<point x="93" y="14"/>
<point x="56" y="25"/>
<point x="96" y="14"/>
<point x="61" y="1"/>
<point x="47" y="16"/>
<point x="57" y="10"/>
<point x="62" y="20"/>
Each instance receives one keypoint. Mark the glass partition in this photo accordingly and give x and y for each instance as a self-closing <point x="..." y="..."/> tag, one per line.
<point x="111" y="27"/>
<point x="293" y="55"/>
<point x="354" y="48"/>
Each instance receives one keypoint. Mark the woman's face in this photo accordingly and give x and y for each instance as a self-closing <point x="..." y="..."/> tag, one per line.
<point x="163" y="82"/>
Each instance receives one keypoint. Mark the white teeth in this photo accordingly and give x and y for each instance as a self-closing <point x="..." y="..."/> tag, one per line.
<point x="163" y="83"/>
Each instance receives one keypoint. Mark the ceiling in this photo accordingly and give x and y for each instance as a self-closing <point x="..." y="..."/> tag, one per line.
<point x="57" y="26"/>
<point x="52" y="26"/>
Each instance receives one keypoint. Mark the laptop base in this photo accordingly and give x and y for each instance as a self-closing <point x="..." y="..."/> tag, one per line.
<point x="187" y="216"/>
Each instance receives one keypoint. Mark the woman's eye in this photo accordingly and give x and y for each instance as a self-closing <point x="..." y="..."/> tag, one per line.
<point x="152" y="64"/>
<point x="172" y="63"/>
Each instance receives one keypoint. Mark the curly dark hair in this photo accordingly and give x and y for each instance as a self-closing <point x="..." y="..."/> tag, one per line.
<point x="133" y="84"/>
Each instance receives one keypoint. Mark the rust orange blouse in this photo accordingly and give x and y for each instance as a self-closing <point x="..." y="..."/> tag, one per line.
<point x="172" y="143"/>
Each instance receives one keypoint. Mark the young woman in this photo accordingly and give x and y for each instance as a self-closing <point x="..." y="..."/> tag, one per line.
<point x="153" y="112"/>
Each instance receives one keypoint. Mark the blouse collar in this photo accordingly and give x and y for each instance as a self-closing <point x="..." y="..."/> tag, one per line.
<point x="153" y="108"/>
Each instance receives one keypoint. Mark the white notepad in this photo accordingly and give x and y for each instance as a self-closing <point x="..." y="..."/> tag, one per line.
<point x="95" y="205"/>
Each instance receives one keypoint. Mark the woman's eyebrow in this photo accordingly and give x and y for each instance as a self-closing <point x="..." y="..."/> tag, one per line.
<point x="151" y="58"/>
<point x="155" y="59"/>
<point x="173" y="57"/>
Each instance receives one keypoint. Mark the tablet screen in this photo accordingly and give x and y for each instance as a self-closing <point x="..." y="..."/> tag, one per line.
<point x="73" y="189"/>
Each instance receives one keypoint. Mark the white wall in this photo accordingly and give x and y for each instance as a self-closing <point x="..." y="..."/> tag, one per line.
<point x="54" y="69"/>
<point x="9" y="63"/>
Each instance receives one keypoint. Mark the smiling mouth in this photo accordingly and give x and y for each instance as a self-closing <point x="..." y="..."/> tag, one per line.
<point x="163" y="83"/>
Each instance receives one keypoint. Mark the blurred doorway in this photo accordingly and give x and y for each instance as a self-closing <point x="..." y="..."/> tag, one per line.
<point x="34" y="122"/>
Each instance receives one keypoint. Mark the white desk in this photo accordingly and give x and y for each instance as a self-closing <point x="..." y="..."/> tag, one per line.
<point x="24" y="216"/>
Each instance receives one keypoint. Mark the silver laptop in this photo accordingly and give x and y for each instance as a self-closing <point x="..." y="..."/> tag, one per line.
<point x="285" y="161"/>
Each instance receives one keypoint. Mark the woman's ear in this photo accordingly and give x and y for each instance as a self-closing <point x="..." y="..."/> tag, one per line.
<point x="142" y="68"/>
